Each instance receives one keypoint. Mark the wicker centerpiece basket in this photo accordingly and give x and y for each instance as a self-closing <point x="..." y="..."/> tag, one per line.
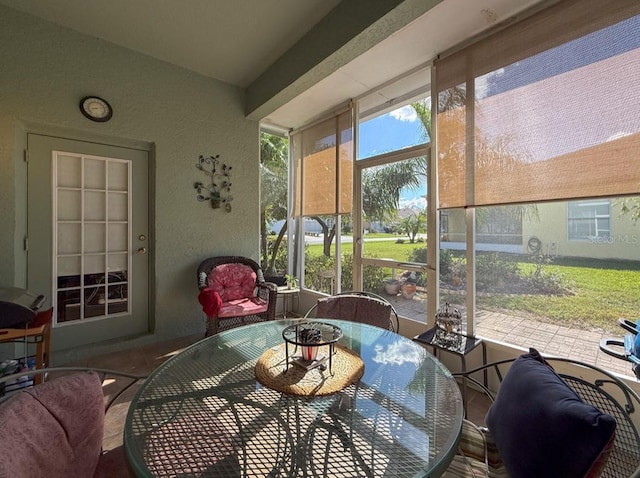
<point x="309" y="362"/>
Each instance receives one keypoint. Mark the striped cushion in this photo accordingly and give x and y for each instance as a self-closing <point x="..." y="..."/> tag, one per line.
<point x="470" y="459"/>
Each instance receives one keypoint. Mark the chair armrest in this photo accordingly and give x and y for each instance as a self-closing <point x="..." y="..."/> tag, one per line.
<point x="269" y="287"/>
<point x="269" y="292"/>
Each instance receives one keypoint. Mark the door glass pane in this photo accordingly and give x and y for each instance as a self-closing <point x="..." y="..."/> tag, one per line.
<point x="118" y="176"/>
<point x="94" y="300"/>
<point x="117" y="263"/>
<point x="69" y="205"/>
<point x="408" y="298"/>
<point x="69" y="238"/>
<point x="118" y="207"/>
<point x="94" y="174"/>
<point x="94" y="269"/>
<point x="94" y="206"/>
<point x="94" y="238"/>
<point x="100" y="225"/>
<point x="117" y="237"/>
<point x="69" y="168"/>
<point x="68" y="305"/>
<point x="69" y="270"/>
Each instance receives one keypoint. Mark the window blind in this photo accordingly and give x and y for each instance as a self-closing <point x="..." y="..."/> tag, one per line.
<point x="547" y="109"/>
<point x="323" y="161"/>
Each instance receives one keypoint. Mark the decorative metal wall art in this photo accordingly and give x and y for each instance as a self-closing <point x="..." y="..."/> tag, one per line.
<point x="218" y="188"/>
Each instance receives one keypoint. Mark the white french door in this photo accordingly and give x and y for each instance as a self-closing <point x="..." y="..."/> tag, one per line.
<point x="92" y="240"/>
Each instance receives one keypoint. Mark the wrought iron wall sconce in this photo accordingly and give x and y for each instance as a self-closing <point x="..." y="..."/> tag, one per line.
<point x="218" y="188"/>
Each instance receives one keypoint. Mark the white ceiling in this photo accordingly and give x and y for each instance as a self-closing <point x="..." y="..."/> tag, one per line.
<point x="235" y="41"/>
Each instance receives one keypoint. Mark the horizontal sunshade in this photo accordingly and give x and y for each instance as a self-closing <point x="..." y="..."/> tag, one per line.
<point x="561" y="123"/>
<point x="323" y="158"/>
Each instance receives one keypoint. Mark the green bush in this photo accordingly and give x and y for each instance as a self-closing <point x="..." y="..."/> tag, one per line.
<point x="313" y="266"/>
<point x="419" y="254"/>
<point x="495" y="271"/>
<point x="543" y="281"/>
<point x="373" y="276"/>
<point x="446" y="261"/>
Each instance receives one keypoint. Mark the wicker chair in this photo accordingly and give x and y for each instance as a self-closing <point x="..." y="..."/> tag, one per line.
<point x="256" y="304"/>
<point x="479" y="455"/>
<point x="357" y="306"/>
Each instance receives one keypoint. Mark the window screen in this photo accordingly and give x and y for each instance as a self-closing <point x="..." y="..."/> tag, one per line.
<point x="546" y="109"/>
<point x="323" y="158"/>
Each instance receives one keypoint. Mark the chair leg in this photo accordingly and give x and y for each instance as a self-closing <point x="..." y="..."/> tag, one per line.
<point x="212" y="326"/>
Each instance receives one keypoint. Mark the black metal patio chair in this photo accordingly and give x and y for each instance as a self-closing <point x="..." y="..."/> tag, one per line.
<point x="480" y="453"/>
<point x="357" y="306"/>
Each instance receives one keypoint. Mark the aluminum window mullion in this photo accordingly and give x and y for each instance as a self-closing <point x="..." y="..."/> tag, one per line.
<point x="433" y="226"/>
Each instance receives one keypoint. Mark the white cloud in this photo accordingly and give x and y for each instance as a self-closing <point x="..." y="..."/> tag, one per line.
<point x="418" y="202"/>
<point x="406" y="113"/>
<point x="397" y="353"/>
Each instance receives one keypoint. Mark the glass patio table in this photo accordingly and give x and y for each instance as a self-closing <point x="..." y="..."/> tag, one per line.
<point x="203" y="412"/>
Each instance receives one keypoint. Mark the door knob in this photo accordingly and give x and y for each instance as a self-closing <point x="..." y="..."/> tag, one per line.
<point x="142" y="250"/>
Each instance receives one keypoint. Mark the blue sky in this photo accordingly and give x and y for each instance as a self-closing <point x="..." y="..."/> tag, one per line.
<point x="392" y="131"/>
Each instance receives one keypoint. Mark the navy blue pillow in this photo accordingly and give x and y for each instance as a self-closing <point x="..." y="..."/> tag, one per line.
<point x="541" y="427"/>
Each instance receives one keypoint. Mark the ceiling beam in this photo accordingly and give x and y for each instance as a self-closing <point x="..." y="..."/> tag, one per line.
<point x="349" y="30"/>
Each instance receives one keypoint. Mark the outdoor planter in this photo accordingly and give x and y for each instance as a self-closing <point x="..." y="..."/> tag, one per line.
<point x="408" y="290"/>
<point x="392" y="286"/>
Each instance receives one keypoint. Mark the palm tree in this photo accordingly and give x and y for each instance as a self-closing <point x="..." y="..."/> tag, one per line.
<point x="274" y="193"/>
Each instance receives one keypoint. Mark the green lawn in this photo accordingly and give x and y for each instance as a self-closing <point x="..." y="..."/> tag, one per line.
<point x="389" y="249"/>
<point x="601" y="295"/>
<point x="603" y="291"/>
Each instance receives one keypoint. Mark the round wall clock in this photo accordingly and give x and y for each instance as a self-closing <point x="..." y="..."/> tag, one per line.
<point x="96" y="109"/>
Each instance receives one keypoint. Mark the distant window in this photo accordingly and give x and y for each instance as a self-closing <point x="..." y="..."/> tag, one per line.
<point x="589" y="219"/>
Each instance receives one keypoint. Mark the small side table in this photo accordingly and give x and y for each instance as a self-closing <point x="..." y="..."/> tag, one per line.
<point x="287" y="295"/>
<point x="40" y="335"/>
<point x="467" y="344"/>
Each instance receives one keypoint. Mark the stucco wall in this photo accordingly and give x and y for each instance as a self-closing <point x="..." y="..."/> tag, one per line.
<point x="177" y="114"/>
<point x="552" y="229"/>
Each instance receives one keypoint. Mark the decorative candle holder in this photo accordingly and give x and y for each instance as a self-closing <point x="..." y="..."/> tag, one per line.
<point x="448" y="327"/>
<point x="310" y="336"/>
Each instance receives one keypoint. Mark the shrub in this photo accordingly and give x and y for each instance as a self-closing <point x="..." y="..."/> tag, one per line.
<point x="313" y="266"/>
<point x="419" y="254"/>
<point x="494" y="271"/>
<point x="372" y="276"/>
<point x="446" y="261"/>
<point x="542" y="281"/>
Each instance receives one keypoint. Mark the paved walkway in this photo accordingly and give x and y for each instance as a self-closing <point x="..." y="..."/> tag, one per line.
<point x="551" y="339"/>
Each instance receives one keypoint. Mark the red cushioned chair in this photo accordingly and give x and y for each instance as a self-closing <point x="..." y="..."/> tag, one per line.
<point x="233" y="292"/>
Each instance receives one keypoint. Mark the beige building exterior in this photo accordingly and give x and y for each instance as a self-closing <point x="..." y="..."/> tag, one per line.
<point x="589" y="228"/>
<point x="611" y="235"/>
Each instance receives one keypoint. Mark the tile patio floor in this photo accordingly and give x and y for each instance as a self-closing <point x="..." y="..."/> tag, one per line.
<point x="551" y="339"/>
